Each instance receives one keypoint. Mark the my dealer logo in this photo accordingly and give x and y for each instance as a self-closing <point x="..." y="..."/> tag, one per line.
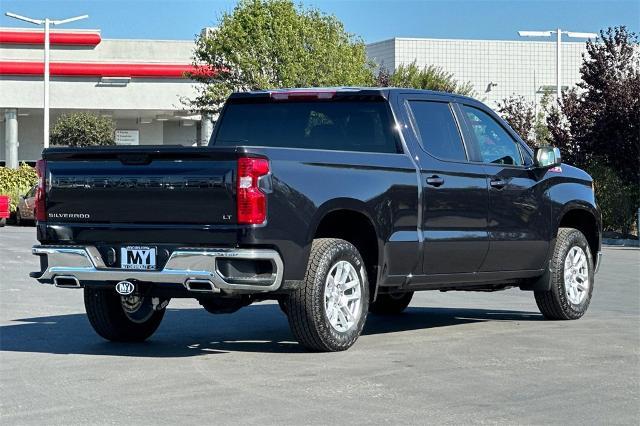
<point x="69" y="215"/>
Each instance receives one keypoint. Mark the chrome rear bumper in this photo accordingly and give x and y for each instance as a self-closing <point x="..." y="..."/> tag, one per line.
<point x="66" y="265"/>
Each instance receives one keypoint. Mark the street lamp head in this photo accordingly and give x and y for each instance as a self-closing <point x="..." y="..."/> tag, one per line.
<point x="581" y="35"/>
<point x="24" y="18"/>
<point x="64" y="21"/>
<point x="535" y="33"/>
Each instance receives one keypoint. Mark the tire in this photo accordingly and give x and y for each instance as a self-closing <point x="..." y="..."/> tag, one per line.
<point x="3" y="222"/>
<point x="282" y="303"/>
<point x="568" y="302"/>
<point x="19" y="221"/>
<point x="108" y="317"/>
<point x="391" y="304"/>
<point x="316" y="321"/>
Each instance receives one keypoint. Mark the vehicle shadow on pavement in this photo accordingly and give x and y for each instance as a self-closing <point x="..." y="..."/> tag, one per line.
<point x="192" y="332"/>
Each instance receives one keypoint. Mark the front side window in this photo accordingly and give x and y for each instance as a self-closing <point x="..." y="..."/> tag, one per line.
<point x="436" y="130"/>
<point x="494" y="143"/>
<point x="364" y="126"/>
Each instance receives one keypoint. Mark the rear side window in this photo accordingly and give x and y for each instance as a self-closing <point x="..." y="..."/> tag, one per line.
<point x="334" y="125"/>
<point x="436" y="130"/>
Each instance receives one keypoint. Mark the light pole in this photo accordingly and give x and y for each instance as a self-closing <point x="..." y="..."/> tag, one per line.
<point x="46" y="22"/>
<point x="559" y="33"/>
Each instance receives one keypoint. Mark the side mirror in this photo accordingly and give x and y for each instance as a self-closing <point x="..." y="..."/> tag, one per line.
<point x="547" y="157"/>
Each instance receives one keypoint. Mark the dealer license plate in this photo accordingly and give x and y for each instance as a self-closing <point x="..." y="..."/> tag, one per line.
<point x="138" y="257"/>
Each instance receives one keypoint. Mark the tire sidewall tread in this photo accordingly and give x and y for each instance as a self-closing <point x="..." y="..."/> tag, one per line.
<point x="307" y="316"/>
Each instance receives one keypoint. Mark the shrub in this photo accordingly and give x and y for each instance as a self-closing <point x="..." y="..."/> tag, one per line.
<point x="617" y="200"/>
<point x="83" y="129"/>
<point x="16" y="182"/>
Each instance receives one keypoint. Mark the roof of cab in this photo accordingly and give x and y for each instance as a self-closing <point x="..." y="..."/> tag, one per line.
<point x="383" y="91"/>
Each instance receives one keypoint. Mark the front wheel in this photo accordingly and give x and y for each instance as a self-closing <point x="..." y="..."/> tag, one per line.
<point x="123" y="318"/>
<point x="328" y="312"/>
<point x="571" y="275"/>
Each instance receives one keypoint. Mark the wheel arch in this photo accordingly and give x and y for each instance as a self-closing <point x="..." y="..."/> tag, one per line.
<point x="586" y="219"/>
<point x="349" y="220"/>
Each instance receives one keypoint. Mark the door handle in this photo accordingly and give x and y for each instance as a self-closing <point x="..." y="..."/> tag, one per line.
<point x="435" y="180"/>
<point x="497" y="183"/>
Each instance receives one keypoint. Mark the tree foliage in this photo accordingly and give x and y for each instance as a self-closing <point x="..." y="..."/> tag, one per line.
<point x="16" y="182"/>
<point x="83" y="129"/>
<point x="430" y="77"/>
<point x="600" y="121"/>
<point x="265" y="44"/>
<point x="597" y="125"/>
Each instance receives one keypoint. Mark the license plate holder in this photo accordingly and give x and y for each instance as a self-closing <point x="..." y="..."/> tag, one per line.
<point x="138" y="257"/>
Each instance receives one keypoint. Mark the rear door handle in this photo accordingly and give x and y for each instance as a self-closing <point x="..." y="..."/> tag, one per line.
<point x="435" y="180"/>
<point x="497" y="183"/>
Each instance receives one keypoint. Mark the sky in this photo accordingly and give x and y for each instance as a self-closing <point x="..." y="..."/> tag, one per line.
<point x="372" y="20"/>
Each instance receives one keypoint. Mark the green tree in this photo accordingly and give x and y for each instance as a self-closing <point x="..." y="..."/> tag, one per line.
<point x="265" y="44"/>
<point x="430" y="77"/>
<point x="597" y="125"/>
<point x="600" y="121"/>
<point x="83" y="129"/>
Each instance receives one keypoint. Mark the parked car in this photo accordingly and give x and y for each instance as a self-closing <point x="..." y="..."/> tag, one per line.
<point x="25" y="209"/>
<point x="335" y="202"/>
<point x="5" y="211"/>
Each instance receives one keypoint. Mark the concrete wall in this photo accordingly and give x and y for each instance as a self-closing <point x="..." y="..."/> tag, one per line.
<point x="517" y="67"/>
<point x="30" y="134"/>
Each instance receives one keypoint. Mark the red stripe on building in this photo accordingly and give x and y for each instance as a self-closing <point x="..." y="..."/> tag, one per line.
<point x="55" y="37"/>
<point x="92" y="69"/>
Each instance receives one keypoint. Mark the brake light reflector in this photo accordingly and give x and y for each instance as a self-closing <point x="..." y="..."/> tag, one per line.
<point x="251" y="201"/>
<point x="40" y="205"/>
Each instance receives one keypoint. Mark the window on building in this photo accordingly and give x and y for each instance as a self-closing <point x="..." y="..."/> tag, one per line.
<point x="437" y="130"/>
<point x="494" y="143"/>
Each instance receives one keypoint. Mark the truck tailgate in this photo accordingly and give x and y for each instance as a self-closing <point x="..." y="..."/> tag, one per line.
<point x="141" y="185"/>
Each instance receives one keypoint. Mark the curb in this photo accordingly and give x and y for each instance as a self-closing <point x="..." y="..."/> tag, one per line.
<point x="620" y="242"/>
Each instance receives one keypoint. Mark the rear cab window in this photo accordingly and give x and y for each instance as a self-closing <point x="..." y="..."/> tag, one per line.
<point x="337" y="124"/>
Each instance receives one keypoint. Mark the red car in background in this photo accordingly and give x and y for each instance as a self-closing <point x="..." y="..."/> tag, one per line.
<point x="4" y="209"/>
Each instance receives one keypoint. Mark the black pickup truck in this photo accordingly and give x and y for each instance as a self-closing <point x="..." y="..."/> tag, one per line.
<point x="334" y="202"/>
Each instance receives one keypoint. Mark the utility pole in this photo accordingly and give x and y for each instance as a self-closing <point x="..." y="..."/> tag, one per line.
<point x="46" y="22"/>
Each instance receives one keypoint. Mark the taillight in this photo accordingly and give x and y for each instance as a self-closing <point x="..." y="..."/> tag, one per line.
<point x="40" y="206"/>
<point x="252" y="202"/>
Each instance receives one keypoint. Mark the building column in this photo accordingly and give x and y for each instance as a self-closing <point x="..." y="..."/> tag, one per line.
<point x="11" y="138"/>
<point x="206" y="128"/>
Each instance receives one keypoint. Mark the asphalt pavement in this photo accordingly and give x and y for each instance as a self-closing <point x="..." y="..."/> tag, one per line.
<point x="452" y="358"/>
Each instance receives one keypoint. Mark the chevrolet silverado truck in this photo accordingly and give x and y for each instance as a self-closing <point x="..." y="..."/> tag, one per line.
<point x="334" y="202"/>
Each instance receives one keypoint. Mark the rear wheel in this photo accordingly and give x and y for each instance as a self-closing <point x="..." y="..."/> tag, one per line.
<point x="3" y="222"/>
<point x="571" y="276"/>
<point x="328" y="312"/>
<point x="123" y="318"/>
<point x="391" y="303"/>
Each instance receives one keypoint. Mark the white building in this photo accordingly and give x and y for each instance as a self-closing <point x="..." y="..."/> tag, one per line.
<point x="139" y="83"/>
<point x="496" y="68"/>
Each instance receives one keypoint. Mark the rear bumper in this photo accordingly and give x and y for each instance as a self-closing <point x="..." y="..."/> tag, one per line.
<point x="194" y="268"/>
